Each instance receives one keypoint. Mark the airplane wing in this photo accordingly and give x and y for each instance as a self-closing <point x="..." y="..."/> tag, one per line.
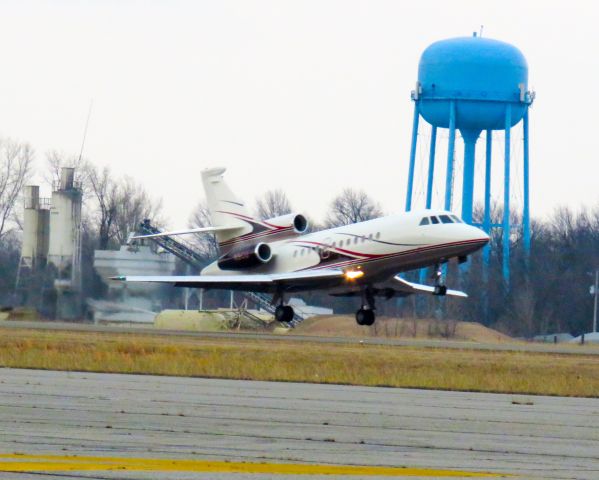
<point x="409" y="287"/>
<point x="183" y="232"/>
<point x="256" y="282"/>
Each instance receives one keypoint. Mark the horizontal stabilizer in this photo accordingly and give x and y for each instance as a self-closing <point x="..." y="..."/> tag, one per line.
<point x="184" y="232"/>
<point x="410" y="287"/>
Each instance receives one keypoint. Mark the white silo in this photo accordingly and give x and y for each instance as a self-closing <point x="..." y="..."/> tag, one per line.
<point x="64" y="249"/>
<point x="34" y="248"/>
<point x="36" y="217"/>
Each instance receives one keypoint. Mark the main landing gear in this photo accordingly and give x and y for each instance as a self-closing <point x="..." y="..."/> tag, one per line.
<point x="366" y="315"/>
<point x="284" y="313"/>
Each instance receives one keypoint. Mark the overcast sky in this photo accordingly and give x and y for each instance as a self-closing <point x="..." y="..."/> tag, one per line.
<point x="308" y="96"/>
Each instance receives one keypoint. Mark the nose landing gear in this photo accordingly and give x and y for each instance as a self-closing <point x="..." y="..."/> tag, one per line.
<point x="440" y="288"/>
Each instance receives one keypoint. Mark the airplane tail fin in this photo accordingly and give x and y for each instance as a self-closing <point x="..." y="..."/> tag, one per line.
<point x="232" y="224"/>
<point x="227" y="211"/>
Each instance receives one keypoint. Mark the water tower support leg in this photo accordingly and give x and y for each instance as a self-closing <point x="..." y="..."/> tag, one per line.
<point x="526" y="212"/>
<point x="506" y="197"/>
<point x="487" y="212"/>
<point x="429" y="185"/>
<point x="450" y="152"/>
<point x="431" y="167"/>
<point x="470" y="138"/>
<point x="487" y="221"/>
<point x="412" y="157"/>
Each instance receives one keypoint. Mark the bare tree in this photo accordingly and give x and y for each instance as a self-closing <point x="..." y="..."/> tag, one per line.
<point x="133" y="205"/>
<point x="352" y="206"/>
<point x="119" y="205"/>
<point x="206" y="243"/>
<point x="105" y="192"/>
<point x="272" y="204"/>
<point x="16" y="160"/>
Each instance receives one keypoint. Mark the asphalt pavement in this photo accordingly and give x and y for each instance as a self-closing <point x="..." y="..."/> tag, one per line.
<point x="107" y="426"/>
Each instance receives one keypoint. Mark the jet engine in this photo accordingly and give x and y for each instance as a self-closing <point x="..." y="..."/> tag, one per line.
<point x="247" y="257"/>
<point x="295" y="220"/>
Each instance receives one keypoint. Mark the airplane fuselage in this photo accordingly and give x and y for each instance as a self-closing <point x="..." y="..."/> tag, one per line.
<point x="380" y="248"/>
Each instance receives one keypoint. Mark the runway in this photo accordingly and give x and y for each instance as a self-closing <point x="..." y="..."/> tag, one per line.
<point x="107" y="426"/>
<point x="563" y="348"/>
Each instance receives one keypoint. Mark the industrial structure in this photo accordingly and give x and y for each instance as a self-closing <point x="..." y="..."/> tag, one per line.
<point x="470" y="85"/>
<point x="49" y="274"/>
<point x="130" y="303"/>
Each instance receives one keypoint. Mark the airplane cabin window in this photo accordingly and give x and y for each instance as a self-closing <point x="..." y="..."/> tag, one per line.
<point x="434" y="220"/>
<point x="294" y="253"/>
<point x="445" y="219"/>
<point x="363" y="239"/>
<point x="378" y="235"/>
<point x="334" y="244"/>
<point x="355" y="240"/>
<point x="370" y="237"/>
<point x="425" y="221"/>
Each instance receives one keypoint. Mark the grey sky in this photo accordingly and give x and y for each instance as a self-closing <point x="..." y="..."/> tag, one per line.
<point x="308" y="96"/>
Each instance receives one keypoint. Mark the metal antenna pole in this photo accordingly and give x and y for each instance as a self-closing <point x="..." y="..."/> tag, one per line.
<point x="526" y="211"/>
<point x="596" y="294"/>
<point x="89" y="114"/>
<point x="506" y="197"/>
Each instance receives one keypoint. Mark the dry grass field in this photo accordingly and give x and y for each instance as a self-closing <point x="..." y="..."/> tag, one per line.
<point x="471" y="370"/>
<point x="386" y="327"/>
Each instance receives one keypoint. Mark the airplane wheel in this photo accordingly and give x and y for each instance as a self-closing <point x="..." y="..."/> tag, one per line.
<point x="284" y="313"/>
<point x="365" y="317"/>
<point x="280" y="313"/>
<point x="288" y="313"/>
<point x="440" y="290"/>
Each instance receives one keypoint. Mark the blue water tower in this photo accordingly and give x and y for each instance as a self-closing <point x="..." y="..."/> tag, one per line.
<point x="473" y="84"/>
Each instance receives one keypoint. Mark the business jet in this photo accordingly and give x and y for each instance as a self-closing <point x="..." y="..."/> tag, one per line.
<point x="279" y="256"/>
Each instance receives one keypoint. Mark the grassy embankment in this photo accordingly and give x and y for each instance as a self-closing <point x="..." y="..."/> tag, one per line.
<point x="472" y="370"/>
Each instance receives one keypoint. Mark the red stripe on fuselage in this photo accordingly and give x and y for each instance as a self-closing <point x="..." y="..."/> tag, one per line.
<point x="249" y="236"/>
<point x="393" y="255"/>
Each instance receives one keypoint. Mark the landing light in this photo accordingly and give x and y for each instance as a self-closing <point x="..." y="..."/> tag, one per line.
<point x="353" y="274"/>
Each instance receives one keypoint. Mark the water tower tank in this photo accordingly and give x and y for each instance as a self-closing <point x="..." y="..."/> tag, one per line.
<point x="481" y="74"/>
<point x="470" y="85"/>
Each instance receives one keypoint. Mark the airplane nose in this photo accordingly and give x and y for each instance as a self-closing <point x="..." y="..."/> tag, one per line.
<point x="476" y="233"/>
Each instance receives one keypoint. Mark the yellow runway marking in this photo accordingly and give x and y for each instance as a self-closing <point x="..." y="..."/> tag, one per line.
<point x="57" y="463"/>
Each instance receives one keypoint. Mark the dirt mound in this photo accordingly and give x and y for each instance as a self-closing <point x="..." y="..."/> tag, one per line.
<point x="386" y="327"/>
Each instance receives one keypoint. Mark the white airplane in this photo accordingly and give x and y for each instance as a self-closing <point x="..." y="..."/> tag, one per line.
<point x="279" y="257"/>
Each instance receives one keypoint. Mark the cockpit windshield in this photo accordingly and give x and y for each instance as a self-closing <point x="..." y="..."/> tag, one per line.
<point x="435" y="220"/>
